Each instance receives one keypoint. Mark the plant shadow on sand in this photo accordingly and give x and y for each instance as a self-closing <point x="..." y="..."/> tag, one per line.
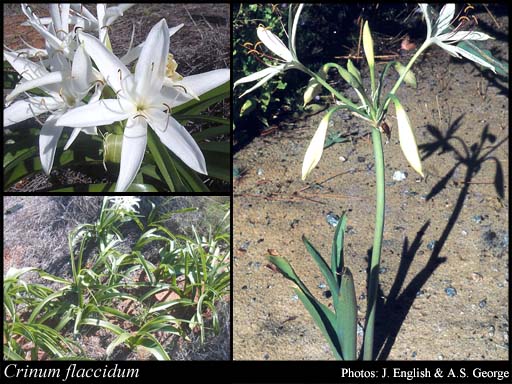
<point x="397" y="305"/>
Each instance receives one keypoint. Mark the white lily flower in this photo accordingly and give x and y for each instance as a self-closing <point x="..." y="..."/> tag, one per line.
<point x="440" y="33"/>
<point x="287" y="55"/>
<point x="125" y="203"/>
<point x="65" y="87"/>
<point x="56" y="33"/>
<point x="141" y="101"/>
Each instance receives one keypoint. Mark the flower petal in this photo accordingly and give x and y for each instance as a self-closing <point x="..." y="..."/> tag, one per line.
<point x="175" y="137"/>
<point x="196" y="85"/>
<point x="464" y="35"/>
<point x="102" y="112"/>
<point x="257" y="75"/>
<point x="113" y="70"/>
<point x="25" y="109"/>
<point x="26" y="68"/>
<point x="48" y="138"/>
<point x="274" y="43"/>
<point x="315" y="148"/>
<point x="134" y="53"/>
<point x="132" y="152"/>
<point x="50" y="78"/>
<point x="260" y="83"/>
<point x="458" y="52"/>
<point x="445" y="17"/>
<point x="294" y="29"/>
<point x="425" y="9"/>
<point x="152" y="63"/>
<point x="81" y="70"/>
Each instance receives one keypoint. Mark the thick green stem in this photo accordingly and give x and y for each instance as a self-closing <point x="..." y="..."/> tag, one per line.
<point x="373" y="277"/>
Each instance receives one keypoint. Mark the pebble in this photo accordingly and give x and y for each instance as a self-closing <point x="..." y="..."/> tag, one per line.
<point x="482" y="303"/>
<point x="327" y="294"/>
<point x="431" y="245"/>
<point x="383" y="270"/>
<point x="421" y="292"/>
<point x="322" y="286"/>
<point x="260" y="171"/>
<point x="332" y="219"/>
<point x="475" y="276"/>
<point x="450" y="291"/>
<point x="413" y="355"/>
<point x="491" y="330"/>
<point x="295" y="298"/>
<point x="244" y="246"/>
<point x="390" y="183"/>
<point x="464" y="232"/>
<point x="266" y="356"/>
<point x="343" y="159"/>
<point x="399" y="176"/>
<point x="244" y="287"/>
<point x="362" y="296"/>
<point x="477" y="219"/>
<point x="255" y="264"/>
<point x="410" y="193"/>
<point x="361" y="159"/>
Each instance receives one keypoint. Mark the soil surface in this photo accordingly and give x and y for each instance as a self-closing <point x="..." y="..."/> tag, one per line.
<point x="35" y="234"/>
<point x="444" y="270"/>
<point x="201" y="45"/>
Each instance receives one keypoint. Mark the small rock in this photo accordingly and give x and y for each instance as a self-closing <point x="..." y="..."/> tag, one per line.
<point x="266" y="356"/>
<point x="327" y="294"/>
<point x="399" y="176"/>
<point x="332" y="219"/>
<point x="491" y="330"/>
<point x="260" y="171"/>
<point x="413" y="354"/>
<point x="350" y="230"/>
<point x="421" y="292"/>
<point x="477" y="219"/>
<point x="383" y="270"/>
<point x="244" y="246"/>
<point x="295" y="298"/>
<point x="431" y="245"/>
<point x="464" y="232"/>
<point x="361" y="159"/>
<point x="440" y="357"/>
<point x="475" y="276"/>
<point x="482" y="303"/>
<point x="450" y="291"/>
<point x="322" y="286"/>
<point x="362" y="296"/>
<point x="244" y="287"/>
<point x="343" y="159"/>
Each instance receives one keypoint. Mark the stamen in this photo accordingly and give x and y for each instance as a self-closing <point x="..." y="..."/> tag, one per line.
<point x="120" y="74"/>
<point x="468" y="7"/>
<point x="180" y="86"/>
<point x="152" y="66"/>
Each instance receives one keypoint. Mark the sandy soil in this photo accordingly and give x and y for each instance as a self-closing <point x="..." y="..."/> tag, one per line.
<point x="444" y="272"/>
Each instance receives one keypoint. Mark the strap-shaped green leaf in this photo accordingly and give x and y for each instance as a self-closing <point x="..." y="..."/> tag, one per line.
<point x="324" y="268"/>
<point x="337" y="259"/>
<point x="346" y="316"/>
<point x="324" y="318"/>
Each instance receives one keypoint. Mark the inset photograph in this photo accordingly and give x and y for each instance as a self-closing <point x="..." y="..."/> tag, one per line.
<point x="116" y="278"/>
<point x="371" y="191"/>
<point x="129" y="97"/>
